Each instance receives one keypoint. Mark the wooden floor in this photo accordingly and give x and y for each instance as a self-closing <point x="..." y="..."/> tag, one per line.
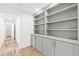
<point x="10" y="48"/>
<point x="29" y="51"/>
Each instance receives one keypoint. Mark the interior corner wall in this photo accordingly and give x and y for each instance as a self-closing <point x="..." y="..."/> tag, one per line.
<point x="26" y="30"/>
<point x="1" y="30"/>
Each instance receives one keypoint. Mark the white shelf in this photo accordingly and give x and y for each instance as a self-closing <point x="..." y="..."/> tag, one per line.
<point x="37" y="13"/>
<point x="60" y="39"/>
<point x="38" y="29"/>
<point x="62" y="9"/>
<point x="52" y="5"/>
<point x="63" y="20"/>
<point x="38" y="24"/>
<point x="62" y="29"/>
<point x="39" y="18"/>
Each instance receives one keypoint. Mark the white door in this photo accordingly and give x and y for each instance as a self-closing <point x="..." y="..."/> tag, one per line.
<point x="13" y="31"/>
<point x="33" y="40"/>
<point x="48" y="47"/>
<point x="39" y="43"/>
<point x="8" y="30"/>
<point x="65" y="49"/>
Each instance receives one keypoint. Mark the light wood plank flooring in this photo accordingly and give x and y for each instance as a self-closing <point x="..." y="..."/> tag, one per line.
<point x="29" y="51"/>
<point x="10" y="48"/>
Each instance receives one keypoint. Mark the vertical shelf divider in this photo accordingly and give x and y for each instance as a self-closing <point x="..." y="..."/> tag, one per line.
<point x="33" y="26"/>
<point x="78" y="20"/>
<point x="45" y="23"/>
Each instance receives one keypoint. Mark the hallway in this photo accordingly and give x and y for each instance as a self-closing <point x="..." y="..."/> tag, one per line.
<point x="10" y="48"/>
<point x="16" y="22"/>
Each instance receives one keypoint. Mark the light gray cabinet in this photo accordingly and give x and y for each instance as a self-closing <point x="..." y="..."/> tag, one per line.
<point x="48" y="47"/>
<point x="52" y="47"/>
<point x="65" y="49"/>
<point x="58" y="48"/>
<point x="39" y="43"/>
<point x="33" y="41"/>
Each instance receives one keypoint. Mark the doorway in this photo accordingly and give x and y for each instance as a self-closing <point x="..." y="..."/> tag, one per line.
<point x="10" y="30"/>
<point x="11" y="41"/>
<point x="10" y="45"/>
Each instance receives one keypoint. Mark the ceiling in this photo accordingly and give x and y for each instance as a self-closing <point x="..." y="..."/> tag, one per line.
<point x="26" y="7"/>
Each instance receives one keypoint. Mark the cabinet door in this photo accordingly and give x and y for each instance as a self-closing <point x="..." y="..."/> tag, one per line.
<point x="39" y="43"/>
<point x="65" y="49"/>
<point x="48" y="47"/>
<point x="33" y="40"/>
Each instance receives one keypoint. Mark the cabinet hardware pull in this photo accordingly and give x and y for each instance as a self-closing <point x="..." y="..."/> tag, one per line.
<point x="52" y="43"/>
<point x="55" y="44"/>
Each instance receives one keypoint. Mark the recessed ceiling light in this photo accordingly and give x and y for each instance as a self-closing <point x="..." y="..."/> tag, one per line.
<point x="36" y="9"/>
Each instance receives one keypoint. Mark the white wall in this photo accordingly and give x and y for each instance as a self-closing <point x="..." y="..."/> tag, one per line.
<point x="1" y="30"/>
<point x="26" y="30"/>
<point x="26" y="25"/>
<point x="12" y="31"/>
<point x="8" y="29"/>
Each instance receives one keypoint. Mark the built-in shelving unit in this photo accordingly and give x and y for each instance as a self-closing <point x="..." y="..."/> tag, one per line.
<point x="59" y="20"/>
<point x="56" y="30"/>
<point x="65" y="6"/>
<point x="39" y="23"/>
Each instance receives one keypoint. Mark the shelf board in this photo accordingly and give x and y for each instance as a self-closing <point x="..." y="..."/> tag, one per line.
<point x="39" y="33"/>
<point x="37" y="13"/>
<point x="39" y="18"/>
<point x="62" y="29"/>
<point x="52" y="5"/>
<point x="72" y="41"/>
<point x="39" y="29"/>
<point x="63" y="20"/>
<point x="39" y="24"/>
<point x="62" y="9"/>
